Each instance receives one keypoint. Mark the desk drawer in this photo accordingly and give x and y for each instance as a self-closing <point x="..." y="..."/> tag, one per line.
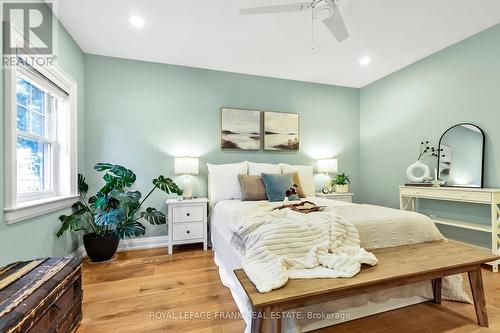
<point x="444" y="194"/>
<point x="188" y="214"/>
<point x="187" y="231"/>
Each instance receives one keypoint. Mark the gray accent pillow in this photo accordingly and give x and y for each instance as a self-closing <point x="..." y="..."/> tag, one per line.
<point x="252" y="188"/>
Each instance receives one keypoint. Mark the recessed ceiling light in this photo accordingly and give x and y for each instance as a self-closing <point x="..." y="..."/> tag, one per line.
<point x="136" y="21"/>
<point x="364" y="61"/>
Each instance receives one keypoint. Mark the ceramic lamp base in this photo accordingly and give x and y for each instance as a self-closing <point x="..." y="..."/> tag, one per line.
<point x="187" y="190"/>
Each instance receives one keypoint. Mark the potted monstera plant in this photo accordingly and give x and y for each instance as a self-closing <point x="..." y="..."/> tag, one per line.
<point x="114" y="213"/>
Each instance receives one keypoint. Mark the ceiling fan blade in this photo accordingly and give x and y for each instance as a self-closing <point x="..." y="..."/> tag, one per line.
<point x="296" y="7"/>
<point x="336" y="24"/>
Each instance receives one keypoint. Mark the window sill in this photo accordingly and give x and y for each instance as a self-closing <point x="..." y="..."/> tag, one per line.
<point x="28" y="210"/>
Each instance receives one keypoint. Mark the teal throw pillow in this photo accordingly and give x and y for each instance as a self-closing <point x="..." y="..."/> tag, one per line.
<point x="277" y="185"/>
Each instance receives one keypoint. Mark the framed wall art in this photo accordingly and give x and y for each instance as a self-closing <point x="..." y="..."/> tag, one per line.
<point x="240" y="129"/>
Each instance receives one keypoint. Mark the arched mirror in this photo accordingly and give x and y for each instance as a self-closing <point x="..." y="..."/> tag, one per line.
<point x="461" y="158"/>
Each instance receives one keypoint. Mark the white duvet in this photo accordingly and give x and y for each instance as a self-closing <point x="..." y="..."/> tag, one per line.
<point x="284" y="244"/>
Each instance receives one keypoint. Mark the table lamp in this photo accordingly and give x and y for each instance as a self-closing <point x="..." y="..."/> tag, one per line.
<point x="187" y="166"/>
<point x="327" y="165"/>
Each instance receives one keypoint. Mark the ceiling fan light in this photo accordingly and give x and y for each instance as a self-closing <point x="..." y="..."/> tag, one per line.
<point x="137" y="21"/>
<point x="365" y="61"/>
<point x="322" y="12"/>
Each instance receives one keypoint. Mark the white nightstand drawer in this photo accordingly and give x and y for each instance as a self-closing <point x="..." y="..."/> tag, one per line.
<point x="186" y="231"/>
<point x="187" y="214"/>
<point x="342" y="198"/>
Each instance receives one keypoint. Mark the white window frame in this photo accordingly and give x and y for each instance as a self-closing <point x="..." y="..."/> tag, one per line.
<point x="65" y="191"/>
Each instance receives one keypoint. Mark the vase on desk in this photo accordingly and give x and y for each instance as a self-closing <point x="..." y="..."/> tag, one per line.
<point x="424" y="169"/>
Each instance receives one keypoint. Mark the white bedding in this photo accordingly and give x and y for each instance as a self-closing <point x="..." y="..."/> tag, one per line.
<point x="284" y="244"/>
<point x="377" y="226"/>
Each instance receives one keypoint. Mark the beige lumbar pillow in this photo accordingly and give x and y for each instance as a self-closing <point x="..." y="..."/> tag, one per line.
<point x="298" y="187"/>
<point x="252" y="188"/>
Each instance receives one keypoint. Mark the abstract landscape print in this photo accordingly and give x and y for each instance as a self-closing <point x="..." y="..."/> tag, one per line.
<point x="281" y="131"/>
<point x="240" y="129"/>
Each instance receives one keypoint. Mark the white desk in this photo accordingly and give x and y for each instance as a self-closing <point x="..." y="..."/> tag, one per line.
<point x="489" y="197"/>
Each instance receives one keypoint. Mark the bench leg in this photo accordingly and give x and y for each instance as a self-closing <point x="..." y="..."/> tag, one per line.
<point x="436" y="290"/>
<point x="476" y="285"/>
<point x="277" y="321"/>
<point x="256" y="320"/>
<point x="262" y="322"/>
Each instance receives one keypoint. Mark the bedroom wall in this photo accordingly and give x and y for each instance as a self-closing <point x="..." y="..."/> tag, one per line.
<point x="459" y="84"/>
<point x="142" y="114"/>
<point x="35" y="238"/>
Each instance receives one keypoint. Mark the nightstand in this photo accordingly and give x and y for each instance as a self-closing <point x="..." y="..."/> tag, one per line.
<point x="187" y="222"/>
<point x="345" y="197"/>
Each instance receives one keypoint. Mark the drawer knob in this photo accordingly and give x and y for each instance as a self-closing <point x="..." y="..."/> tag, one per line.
<point x="187" y="214"/>
<point x="188" y="231"/>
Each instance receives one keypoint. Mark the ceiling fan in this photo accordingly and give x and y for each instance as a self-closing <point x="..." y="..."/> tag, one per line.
<point x="324" y="10"/>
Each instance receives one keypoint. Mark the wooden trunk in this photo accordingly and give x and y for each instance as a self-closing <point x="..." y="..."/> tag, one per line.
<point x="52" y="300"/>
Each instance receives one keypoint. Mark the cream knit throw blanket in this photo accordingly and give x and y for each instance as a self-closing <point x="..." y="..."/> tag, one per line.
<point x="283" y="244"/>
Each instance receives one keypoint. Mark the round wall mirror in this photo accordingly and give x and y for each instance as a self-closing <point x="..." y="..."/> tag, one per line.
<point x="461" y="156"/>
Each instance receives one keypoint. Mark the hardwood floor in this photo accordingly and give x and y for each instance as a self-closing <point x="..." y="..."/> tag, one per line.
<point x="148" y="291"/>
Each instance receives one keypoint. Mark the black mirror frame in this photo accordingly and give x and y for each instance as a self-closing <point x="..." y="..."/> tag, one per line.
<point x="482" y="155"/>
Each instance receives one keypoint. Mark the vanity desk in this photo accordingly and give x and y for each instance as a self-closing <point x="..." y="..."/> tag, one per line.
<point x="490" y="198"/>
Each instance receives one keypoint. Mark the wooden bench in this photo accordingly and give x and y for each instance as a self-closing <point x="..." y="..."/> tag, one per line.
<point x="397" y="266"/>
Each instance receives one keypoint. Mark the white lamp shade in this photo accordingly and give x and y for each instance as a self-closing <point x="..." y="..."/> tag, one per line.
<point x="328" y="165"/>
<point x="187" y="165"/>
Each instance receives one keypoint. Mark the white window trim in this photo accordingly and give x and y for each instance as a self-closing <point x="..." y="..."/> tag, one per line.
<point x="15" y="211"/>
<point x="31" y="209"/>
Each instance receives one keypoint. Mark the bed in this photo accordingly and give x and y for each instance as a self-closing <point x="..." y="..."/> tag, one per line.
<point x="378" y="227"/>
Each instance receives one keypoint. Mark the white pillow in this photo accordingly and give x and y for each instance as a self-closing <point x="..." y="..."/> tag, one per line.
<point x="306" y="176"/>
<point x="223" y="181"/>
<point x="256" y="169"/>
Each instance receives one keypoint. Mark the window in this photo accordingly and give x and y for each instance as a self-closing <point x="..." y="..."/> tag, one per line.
<point x="34" y="139"/>
<point x="40" y="141"/>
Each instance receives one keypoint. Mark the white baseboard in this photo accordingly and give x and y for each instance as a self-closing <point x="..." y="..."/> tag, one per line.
<point x="143" y="243"/>
<point x="79" y="253"/>
<point x="130" y="245"/>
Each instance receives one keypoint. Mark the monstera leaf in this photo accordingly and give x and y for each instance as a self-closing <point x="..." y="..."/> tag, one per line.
<point x="167" y="185"/>
<point x="131" y="229"/>
<point x="103" y="201"/>
<point x="116" y="177"/>
<point x="154" y="216"/>
<point x="129" y="196"/>
<point x="82" y="185"/>
<point x="73" y="222"/>
<point x="110" y="219"/>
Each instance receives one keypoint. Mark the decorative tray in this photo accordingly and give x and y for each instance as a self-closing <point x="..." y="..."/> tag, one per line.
<point x="304" y="207"/>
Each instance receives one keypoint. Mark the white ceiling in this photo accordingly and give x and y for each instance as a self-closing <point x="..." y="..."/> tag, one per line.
<point x="211" y="34"/>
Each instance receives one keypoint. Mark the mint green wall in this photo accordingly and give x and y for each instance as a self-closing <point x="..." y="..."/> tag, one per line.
<point x="141" y="114"/>
<point x="35" y="238"/>
<point x="458" y="84"/>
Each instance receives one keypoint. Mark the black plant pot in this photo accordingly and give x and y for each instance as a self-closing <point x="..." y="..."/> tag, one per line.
<point x="101" y="248"/>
